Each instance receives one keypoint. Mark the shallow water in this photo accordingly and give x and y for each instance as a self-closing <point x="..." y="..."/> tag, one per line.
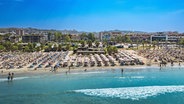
<point x="145" y="85"/>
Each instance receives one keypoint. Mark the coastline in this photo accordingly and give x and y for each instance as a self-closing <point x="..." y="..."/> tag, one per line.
<point x="27" y="72"/>
<point x="64" y="70"/>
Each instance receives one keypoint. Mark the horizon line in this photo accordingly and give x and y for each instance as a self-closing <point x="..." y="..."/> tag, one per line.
<point x="78" y="30"/>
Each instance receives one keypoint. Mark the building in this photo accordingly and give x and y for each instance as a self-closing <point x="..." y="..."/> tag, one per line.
<point x="108" y="35"/>
<point x="50" y="36"/>
<point x="134" y="37"/>
<point x="19" y="32"/>
<point x="74" y="37"/>
<point x="166" y="36"/>
<point x="33" y="39"/>
<point x="15" y="38"/>
<point x="159" y="36"/>
<point x="174" y="36"/>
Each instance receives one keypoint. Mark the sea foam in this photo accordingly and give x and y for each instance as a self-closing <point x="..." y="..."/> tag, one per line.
<point x="134" y="93"/>
<point x="95" y="72"/>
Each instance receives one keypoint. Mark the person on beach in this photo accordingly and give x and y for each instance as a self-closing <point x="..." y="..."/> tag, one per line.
<point x="85" y="70"/>
<point x="12" y="75"/>
<point x="122" y="70"/>
<point x="9" y="76"/>
<point x="69" y="69"/>
<point x="172" y="63"/>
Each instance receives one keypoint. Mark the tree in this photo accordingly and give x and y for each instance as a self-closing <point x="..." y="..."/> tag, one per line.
<point x="182" y="41"/>
<point x="38" y="49"/>
<point x="41" y="46"/>
<point x="20" y="47"/>
<point x="143" y="43"/>
<point x="112" y="41"/>
<point x="127" y="39"/>
<point x="97" y="43"/>
<point x="83" y="36"/>
<point x="34" y="45"/>
<point x="68" y="47"/>
<point x="58" y="36"/>
<point x="31" y="47"/>
<point x="14" y="48"/>
<point x="118" y="39"/>
<point x="137" y="42"/>
<point x="1" y="38"/>
<point x="55" y="48"/>
<point x="49" y="48"/>
<point x="2" y="48"/>
<point x="90" y="43"/>
<point x="26" y="49"/>
<point x="112" y="49"/>
<point x="83" y="43"/>
<point x="50" y="36"/>
<point x="154" y="44"/>
<point x="105" y="43"/>
<point x="67" y="38"/>
<point x="91" y="37"/>
<point x="7" y="45"/>
<point x="59" y="47"/>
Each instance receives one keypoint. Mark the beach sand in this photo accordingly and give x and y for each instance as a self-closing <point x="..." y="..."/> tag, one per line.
<point x="26" y="70"/>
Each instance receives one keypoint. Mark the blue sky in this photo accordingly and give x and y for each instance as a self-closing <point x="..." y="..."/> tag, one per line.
<point x="94" y="15"/>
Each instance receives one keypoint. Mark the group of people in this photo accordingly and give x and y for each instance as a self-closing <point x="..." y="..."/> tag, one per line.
<point x="10" y="76"/>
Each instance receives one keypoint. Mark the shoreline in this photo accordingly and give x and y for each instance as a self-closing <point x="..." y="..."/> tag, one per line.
<point x="26" y="72"/>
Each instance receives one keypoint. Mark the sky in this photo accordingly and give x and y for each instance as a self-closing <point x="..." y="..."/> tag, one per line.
<point x="94" y="15"/>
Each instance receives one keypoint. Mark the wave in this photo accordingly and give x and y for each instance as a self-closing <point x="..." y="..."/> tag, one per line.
<point x="17" y="78"/>
<point x="97" y="72"/>
<point x="134" y="93"/>
<point x="137" y="77"/>
<point x="132" y="77"/>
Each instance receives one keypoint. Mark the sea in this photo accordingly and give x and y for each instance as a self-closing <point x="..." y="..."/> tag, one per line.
<point x="138" y="85"/>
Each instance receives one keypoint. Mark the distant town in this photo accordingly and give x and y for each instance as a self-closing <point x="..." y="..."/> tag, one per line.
<point x="33" y="35"/>
<point x="37" y="48"/>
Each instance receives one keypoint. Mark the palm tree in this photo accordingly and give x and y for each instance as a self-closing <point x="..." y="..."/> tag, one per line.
<point x="97" y="43"/>
<point x="90" y="43"/>
<point x="83" y="43"/>
<point x="154" y="44"/>
<point x="137" y="42"/>
<point x="143" y="43"/>
<point x="59" y="47"/>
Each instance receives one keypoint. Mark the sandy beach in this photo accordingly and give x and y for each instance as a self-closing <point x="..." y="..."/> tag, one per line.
<point x="67" y="62"/>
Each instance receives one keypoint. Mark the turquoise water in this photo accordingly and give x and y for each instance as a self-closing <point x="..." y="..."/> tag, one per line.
<point x="146" y="85"/>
